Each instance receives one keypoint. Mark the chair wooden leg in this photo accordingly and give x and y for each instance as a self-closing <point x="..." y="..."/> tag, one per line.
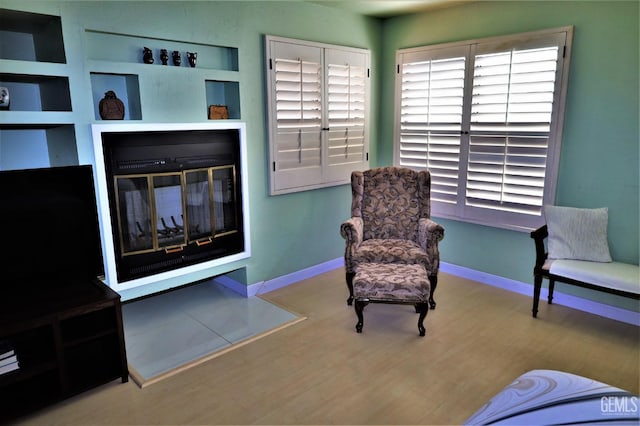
<point x="422" y="308"/>
<point x="552" y="284"/>
<point x="359" y="307"/>
<point x="433" y="281"/>
<point x="349" y="277"/>
<point x="537" y="285"/>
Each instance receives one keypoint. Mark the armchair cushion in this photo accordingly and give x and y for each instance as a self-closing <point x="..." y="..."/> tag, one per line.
<point x="392" y="202"/>
<point x="390" y="251"/>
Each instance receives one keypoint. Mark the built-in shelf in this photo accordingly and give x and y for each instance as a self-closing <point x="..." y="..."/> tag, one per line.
<point x="115" y="62"/>
<point x="33" y="37"/>
<point x="37" y="130"/>
<point x="126" y="88"/>
<point x="126" y="48"/>
<point x="37" y="92"/>
<point x="224" y="93"/>
<point x="37" y="145"/>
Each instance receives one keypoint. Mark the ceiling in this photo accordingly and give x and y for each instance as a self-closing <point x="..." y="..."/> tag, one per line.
<point x="389" y="8"/>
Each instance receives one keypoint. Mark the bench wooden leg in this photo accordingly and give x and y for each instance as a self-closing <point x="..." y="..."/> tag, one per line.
<point x="359" y="307"/>
<point x="537" y="285"/>
<point x="422" y="308"/>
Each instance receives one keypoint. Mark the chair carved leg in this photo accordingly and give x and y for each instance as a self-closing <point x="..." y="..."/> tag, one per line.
<point x="422" y="308"/>
<point x="359" y="307"/>
<point x="552" y="284"/>
<point x="350" y="276"/>
<point x="537" y="285"/>
<point x="433" y="281"/>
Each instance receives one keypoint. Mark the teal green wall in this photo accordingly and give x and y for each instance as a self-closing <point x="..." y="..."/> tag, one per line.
<point x="288" y="232"/>
<point x="296" y="231"/>
<point x="599" y="158"/>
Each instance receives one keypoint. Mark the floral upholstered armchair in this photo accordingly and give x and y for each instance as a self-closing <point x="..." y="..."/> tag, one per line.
<point x="390" y="223"/>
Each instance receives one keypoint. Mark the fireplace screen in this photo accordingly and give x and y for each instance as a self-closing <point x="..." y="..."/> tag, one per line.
<point x="168" y="211"/>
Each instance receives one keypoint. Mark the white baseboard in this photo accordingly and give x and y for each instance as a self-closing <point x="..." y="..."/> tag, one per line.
<point x="559" y="298"/>
<point x="263" y="287"/>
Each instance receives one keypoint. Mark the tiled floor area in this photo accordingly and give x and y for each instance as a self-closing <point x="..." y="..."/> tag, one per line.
<point x="168" y="330"/>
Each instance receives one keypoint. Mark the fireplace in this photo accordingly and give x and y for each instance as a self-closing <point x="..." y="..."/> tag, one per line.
<point x="172" y="198"/>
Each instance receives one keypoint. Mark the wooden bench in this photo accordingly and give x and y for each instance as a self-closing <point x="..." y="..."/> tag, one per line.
<point x="614" y="277"/>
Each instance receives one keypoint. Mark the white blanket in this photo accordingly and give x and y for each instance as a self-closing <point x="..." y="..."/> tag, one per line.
<point x="616" y="275"/>
<point x="545" y="397"/>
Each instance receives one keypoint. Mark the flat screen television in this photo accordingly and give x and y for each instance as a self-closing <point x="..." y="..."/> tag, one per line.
<point x="49" y="227"/>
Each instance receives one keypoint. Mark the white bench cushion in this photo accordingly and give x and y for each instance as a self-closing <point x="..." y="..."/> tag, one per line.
<point x="615" y="275"/>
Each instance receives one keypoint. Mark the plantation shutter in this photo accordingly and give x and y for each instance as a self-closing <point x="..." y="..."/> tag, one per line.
<point x="485" y="118"/>
<point x="297" y="97"/>
<point x="318" y="114"/>
<point x="347" y="76"/>
<point x="510" y="125"/>
<point x="431" y="112"/>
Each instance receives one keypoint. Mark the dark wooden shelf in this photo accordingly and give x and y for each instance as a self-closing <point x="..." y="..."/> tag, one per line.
<point x="68" y="338"/>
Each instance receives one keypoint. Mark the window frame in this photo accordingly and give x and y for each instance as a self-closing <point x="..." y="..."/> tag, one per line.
<point x="459" y="210"/>
<point x="327" y="170"/>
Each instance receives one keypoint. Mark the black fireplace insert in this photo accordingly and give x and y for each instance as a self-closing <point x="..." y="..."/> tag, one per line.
<point x="175" y="198"/>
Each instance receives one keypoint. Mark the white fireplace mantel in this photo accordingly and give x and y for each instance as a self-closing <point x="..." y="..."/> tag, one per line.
<point x="216" y="265"/>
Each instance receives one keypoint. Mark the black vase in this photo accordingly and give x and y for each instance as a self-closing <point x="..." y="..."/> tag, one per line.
<point x="192" y="56"/>
<point x="147" y="55"/>
<point x="177" y="60"/>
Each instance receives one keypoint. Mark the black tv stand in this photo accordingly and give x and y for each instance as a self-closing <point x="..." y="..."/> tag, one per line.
<point x="68" y="338"/>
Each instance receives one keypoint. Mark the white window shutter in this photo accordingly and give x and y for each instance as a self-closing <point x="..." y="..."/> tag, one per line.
<point x="431" y="113"/>
<point x="347" y="104"/>
<point x="485" y="118"/>
<point x="318" y="105"/>
<point x="296" y="123"/>
<point x="510" y="125"/>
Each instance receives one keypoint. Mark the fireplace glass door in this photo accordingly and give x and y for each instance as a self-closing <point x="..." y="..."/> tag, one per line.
<point x="167" y="211"/>
<point x="167" y="197"/>
<point x="210" y="203"/>
<point x="134" y="214"/>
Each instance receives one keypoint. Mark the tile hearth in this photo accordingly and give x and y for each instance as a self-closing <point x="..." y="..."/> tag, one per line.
<point x="170" y="330"/>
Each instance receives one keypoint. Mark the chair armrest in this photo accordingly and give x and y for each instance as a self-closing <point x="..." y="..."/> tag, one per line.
<point x="539" y="235"/>
<point x="430" y="234"/>
<point x="352" y="230"/>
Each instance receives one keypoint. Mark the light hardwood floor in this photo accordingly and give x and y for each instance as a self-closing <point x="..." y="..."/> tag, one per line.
<point x="320" y="371"/>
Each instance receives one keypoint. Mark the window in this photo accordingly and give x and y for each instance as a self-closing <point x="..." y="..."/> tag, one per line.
<point x="318" y="113"/>
<point x="485" y="118"/>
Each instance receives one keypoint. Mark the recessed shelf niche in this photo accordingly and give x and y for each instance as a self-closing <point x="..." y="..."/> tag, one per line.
<point x="224" y="93"/>
<point x="126" y="87"/>
<point x="28" y="36"/>
<point x="36" y="146"/>
<point x="36" y="131"/>
<point x="37" y="92"/>
<point x="111" y="47"/>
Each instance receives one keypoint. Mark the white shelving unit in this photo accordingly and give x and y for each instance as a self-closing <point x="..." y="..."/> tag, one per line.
<point x="37" y="130"/>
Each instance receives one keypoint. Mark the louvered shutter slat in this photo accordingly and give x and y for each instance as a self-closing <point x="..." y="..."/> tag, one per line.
<point x="346" y="95"/>
<point x="511" y="113"/>
<point x="431" y="121"/>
